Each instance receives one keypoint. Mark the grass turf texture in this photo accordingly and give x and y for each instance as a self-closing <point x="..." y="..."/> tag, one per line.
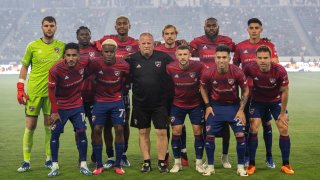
<point x="304" y="103"/>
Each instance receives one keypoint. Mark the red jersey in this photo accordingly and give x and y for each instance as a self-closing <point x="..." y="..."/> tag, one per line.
<point x="266" y="85"/>
<point x="109" y="79"/>
<point x="205" y="49"/>
<point x="224" y="88"/>
<point x="246" y="52"/>
<point x="170" y="51"/>
<point x="129" y="46"/>
<point x="65" y="85"/>
<point x="186" y="83"/>
<point x="87" y="91"/>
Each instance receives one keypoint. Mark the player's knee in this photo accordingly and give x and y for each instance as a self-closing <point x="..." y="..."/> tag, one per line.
<point x="161" y="132"/>
<point x="283" y="129"/>
<point x="118" y="129"/>
<point x="176" y="130"/>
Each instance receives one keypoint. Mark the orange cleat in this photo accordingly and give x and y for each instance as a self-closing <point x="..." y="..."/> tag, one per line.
<point x="119" y="170"/>
<point x="287" y="169"/>
<point x="251" y="169"/>
<point x="98" y="171"/>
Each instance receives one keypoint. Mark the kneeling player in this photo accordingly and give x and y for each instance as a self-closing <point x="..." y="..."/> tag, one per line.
<point x="185" y="75"/>
<point x="223" y="81"/>
<point x="110" y="72"/>
<point x="65" y="81"/>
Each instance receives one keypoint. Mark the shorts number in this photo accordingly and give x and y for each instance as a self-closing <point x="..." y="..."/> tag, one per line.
<point x="121" y="112"/>
<point x="83" y="116"/>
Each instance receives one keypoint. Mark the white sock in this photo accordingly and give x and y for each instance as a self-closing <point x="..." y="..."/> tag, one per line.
<point x="184" y="150"/>
<point x="55" y="165"/>
<point x="83" y="163"/>
<point x="240" y="166"/>
<point x="177" y="161"/>
<point x="48" y="158"/>
<point x="198" y="161"/>
<point x="111" y="158"/>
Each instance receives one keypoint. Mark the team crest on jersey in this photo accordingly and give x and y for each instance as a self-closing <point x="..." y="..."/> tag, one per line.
<point x="116" y="73"/>
<point x="208" y="128"/>
<point x="176" y="76"/>
<point x="230" y="81"/>
<point x="57" y="49"/>
<point x="92" y="54"/>
<point x="272" y="80"/>
<point x="172" y="119"/>
<point x="214" y="82"/>
<point x="128" y="48"/>
<point x="157" y="63"/>
<point x="204" y="47"/>
<point x="251" y="111"/>
<point x="192" y="74"/>
<point x="31" y="108"/>
<point x="81" y="71"/>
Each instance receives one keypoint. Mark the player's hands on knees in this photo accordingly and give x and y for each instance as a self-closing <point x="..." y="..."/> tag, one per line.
<point x="54" y="118"/>
<point x="283" y="118"/>
<point x="241" y="116"/>
<point x="21" y="95"/>
<point x="209" y="111"/>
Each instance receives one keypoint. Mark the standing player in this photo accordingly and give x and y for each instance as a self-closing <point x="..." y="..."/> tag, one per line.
<point x="65" y="82"/>
<point x="109" y="74"/>
<point x="223" y="81"/>
<point x="246" y="52"/>
<point x="204" y="47"/>
<point x="169" y="35"/>
<point x="270" y="92"/>
<point x="149" y="87"/>
<point x="87" y="51"/>
<point x="126" y="46"/>
<point x="185" y="75"/>
<point x="40" y="54"/>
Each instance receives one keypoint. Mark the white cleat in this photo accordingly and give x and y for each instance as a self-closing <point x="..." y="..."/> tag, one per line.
<point x="176" y="168"/>
<point x="209" y="171"/>
<point x="205" y="165"/>
<point x="225" y="162"/>
<point x="241" y="171"/>
<point x="199" y="168"/>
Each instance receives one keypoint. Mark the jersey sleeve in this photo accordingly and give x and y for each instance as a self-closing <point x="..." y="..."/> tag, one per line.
<point x="236" y="57"/>
<point x="193" y="47"/>
<point x="26" y="61"/>
<point x="204" y="79"/>
<point x="283" y="75"/>
<point x="242" y="79"/>
<point x="52" y="83"/>
<point x="273" y="51"/>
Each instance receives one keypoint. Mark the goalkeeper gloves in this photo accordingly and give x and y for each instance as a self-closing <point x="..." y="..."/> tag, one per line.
<point x="21" y="95"/>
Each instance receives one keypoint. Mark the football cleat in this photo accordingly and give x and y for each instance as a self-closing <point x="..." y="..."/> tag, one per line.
<point x="48" y="164"/>
<point x="199" y="168"/>
<point x="209" y="171"/>
<point x="163" y="168"/>
<point x="225" y="162"/>
<point x="109" y="164"/>
<point x="119" y="170"/>
<point x="85" y="170"/>
<point x="270" y="163"/>
<point x="98" y="171"/>
<point x="184" y="159"/>
<point x="251" y="169"/>
<point x="176" y="168"/>
<point x="241" y="171"/>
<point x="145" y="168"/>
<point x="124" y="161"/>
<point x="25" y="166"/>
<point x="167" y="159"/>
<point x="54" y="172"/>
<point x="205" y="165"/>
<point x="287" y="169"/>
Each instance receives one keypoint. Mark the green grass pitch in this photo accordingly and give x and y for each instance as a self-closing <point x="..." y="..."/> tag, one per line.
<point x="304" y="108"/>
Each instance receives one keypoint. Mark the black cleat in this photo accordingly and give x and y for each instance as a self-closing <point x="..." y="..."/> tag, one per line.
<point x="145" y="168"/>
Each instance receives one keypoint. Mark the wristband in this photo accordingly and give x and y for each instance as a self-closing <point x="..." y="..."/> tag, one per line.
<point x="21" y="80"/>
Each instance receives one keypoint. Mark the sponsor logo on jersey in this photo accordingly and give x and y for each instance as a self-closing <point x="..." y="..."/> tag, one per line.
<point x="192" y="74"/>
<point x="176" y="76"/>
<point x="116" y="73"/>
<point x="100" y="72"/>
<point x="230" y="81"/>
<point x="92" y="54"/>
<point x="256" y="78"/>
<point x="272" y="80"/>
<point x="204" y="47"/>
<point x="57" y="49"/>
<point x="67" y="77"/>
<point x="245" y="52"/>
<point x="157" y="63"/>
<point x="214" y="82"/>
<point x="138" y="66"/>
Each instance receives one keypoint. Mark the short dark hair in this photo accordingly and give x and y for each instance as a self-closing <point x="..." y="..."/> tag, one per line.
<point x="170" y="26"/>
<point x="254" y="20"/>
<point x="211" y="18"/>
<point x="83" y="28"/>
<point x="263" y="48"/>
<point x="223" y="48"/>
<point x="183" y="47"/>
<point x="49" y="19"/>
<point x="72" y="45"/>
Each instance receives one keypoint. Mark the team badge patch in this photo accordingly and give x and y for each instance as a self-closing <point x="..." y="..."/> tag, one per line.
<point x="57" y="49"/>
<point x="31" y="108"/>
<point x="272" y="80"/>
<point x="116" y="73"/>
<point x="172" y="119"/>
<point x="92" y="54"/>
<point x="129" y="48"/>
<point x="230" y="81"/>
<point x="192" y="74"/>
<point x="157" y="63"/>
<point x="251" y="111"/>
<point x="208" y="128"/>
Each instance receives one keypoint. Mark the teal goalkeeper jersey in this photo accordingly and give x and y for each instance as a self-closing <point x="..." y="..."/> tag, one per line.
<point x="41" y="57"/>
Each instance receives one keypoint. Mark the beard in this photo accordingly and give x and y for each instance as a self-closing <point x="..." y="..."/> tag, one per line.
<point x="214" y="36"/>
